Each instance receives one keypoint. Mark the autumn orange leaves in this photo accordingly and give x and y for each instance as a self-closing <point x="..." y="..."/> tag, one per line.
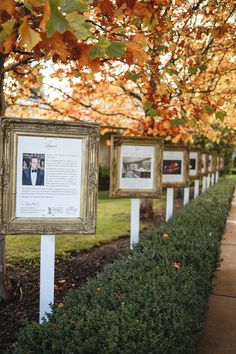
<point x="173" y="60"/>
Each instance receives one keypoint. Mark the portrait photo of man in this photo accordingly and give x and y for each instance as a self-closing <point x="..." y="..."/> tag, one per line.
<point x="33" y="173"/>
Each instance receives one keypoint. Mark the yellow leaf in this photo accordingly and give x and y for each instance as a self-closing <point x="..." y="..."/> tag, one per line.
<point x="166" y="124"/>
<point x="29" y="37"/>
<point x="176" y="139"/>
<point x="165" y="236"/>
<point x="177" y="265"/>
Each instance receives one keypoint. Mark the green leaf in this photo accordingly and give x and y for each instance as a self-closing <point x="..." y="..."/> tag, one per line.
<point x="220" y="115"/>
<point x="57" y="21"/>
<point x="171" y="71"/>
<point x="79" y="25"/>
<point x="203" y="67"/>
<point x="133" y="77"/>
<point x="99" y="49"/>
<point x="7" y="29"/>
<point x="192" y="70"/>
<point x="153" y="112"/>
<point x="177" y="122"/>
<point x="209" y="109"/>
<point x="74" y="5"/>
<point x="159" y="48"/>
<point x="147" y="105"/>
<point x="116" y="49"/>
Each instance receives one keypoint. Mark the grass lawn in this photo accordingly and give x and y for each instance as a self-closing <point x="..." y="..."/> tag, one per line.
<point x="113" y="221"/>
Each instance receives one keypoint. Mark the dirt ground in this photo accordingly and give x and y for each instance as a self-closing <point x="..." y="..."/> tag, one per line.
<point x="70" y="273"/>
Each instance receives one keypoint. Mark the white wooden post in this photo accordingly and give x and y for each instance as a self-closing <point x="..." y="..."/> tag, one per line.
<point x="204" y="184"/>
<point x="186" y="195"/>
<point x="196" y="188"/>
<point x="217" y="176"/>
<point x="212" y="179"/>
<point x="134" y="225"/>
<point x="169" y="203"/>
<point x="208" y="180"/>
<point x="47" y="263"/>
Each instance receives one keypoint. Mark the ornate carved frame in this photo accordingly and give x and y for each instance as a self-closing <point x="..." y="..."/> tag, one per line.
<point x="199" y="163"/>
<point x="10" y="130"/>
<point x="117" y="142"/>
<point x="185" y="150"/>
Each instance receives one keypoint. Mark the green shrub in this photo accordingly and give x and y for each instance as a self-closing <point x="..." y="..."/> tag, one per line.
<point x="150" y="302"/>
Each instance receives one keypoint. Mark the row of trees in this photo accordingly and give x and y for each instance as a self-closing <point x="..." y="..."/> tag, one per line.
<point x="153" y="67"/>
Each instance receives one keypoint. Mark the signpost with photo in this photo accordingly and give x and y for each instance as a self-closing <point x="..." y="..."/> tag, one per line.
<point x="217" y="167"/>
<point x="204" y="170"/>
<point x="135" y="173"/>
<point x="214" y="165"/>
<point x="175" y="173"/>
<point x="49" y="185"/>
<point x="195" y="160"/>
<point x="209" y="169"/>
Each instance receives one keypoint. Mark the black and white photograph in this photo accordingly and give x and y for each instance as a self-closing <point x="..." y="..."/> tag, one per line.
<point x="172" y="167"/>
<point x="136" y="167"/>
<point x="33" y="169"/>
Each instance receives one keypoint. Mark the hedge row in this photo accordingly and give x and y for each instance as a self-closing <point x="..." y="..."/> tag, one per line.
<point x="153" y="301"/>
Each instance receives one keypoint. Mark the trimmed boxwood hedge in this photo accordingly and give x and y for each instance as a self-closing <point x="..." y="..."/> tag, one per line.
<point x="154" y="300"/>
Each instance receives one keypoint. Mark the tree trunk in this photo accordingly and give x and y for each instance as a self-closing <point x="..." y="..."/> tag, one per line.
<point x="5" y="285"/>
<point x="146" y="209"/>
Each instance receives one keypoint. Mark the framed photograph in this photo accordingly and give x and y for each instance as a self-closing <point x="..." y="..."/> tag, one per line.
<point x="204" y="164"/>
<point x="222" y="162"/>
<point x="211" y="163"/>
<point x="136" y="167"/>
<point x="217" y="162"/>
<point x="214" y="162"/>
<point x="175" y="166"/>
<point x="49" y="176"/>
<point x="195" y="163"/>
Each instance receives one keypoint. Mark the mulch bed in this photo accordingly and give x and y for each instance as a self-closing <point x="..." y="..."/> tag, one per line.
<point x="70" y="273"/>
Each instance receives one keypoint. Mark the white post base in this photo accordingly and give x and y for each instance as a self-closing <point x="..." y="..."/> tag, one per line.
<point x="212" y="179"/>
<point x="208" y="180"/>
<point x="169" y="203"/>
<point x="186" y="195"/>
<point x="217" y="177"/>
<point x="134" y="226"/>
<point x="204" y="184"/>
<point x="47" y="263"/>
<point x="196" y="188"/>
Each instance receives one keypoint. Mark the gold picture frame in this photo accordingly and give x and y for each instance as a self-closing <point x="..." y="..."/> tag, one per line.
<point x="176" y="180"/>
<point x="16" y="132"/>
<point x="198" y="155"/>
<point x="136" y="167"/>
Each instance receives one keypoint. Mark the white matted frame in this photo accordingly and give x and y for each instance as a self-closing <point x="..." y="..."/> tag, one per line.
<point x="175" y="176"/>
<point x="136" y="167"/>
<point x="26" y="208"/>
<point x="195" y="163"/>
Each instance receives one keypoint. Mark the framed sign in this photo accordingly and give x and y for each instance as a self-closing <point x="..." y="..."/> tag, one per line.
<point x="49" y="176"/>
<point x="136" y="167"/>
<point x="222" y="163"/>
<point x="195" y="161"/>
<point x="214" y="162"/>
<point x="204" y="165"/>
<point x="217" y="162"/>
<point x="175" y="166"/>
<point x="211" y="163"/>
